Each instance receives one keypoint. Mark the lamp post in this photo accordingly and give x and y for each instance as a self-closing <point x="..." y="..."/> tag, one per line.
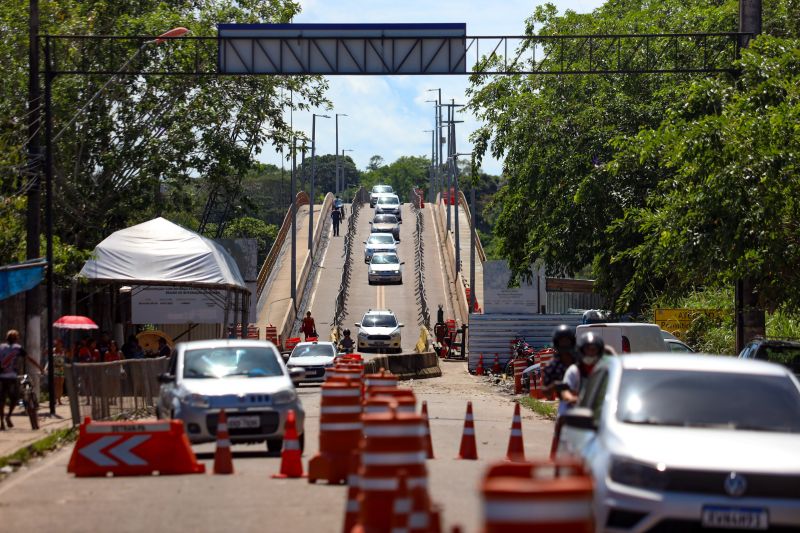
<point x="337" y="188"/>
<point x="434" y="159"/>
<point x="50" y="140"/>
<point x="344" y="184"/>
<point x="431" y="197"/>
<point x="439" y="143"/>
<point x="313" y="177"/>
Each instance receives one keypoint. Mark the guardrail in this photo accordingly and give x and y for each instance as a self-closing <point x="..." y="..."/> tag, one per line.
<point x="419" y="263"/>
<point x="266" y="269"/>
<point x="340" y="310"/>
<point x="478" y="246"/>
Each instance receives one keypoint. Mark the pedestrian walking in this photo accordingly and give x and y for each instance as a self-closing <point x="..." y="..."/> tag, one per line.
<point x="59" y="359"/>
<point x="336" y="216"/>
<point x="12" y="362"/>
<point x="308" y="327"/>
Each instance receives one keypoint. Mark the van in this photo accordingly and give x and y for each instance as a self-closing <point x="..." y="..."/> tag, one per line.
<point x="628" y="337"/>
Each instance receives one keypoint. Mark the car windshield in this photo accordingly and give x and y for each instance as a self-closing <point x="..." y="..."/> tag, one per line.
<point x="386" y="219"/>
<point x="379" y="321"/>
<point x="788" y="356"/>
<point x="314" y="350"/>
<point x="380" y="239"/>
<point x="382" y="188"/>
<point x="709" y="400"/>
<point x="385" y="259"/>
<point x="391" y="200"/>
<point x="230" y="361"/>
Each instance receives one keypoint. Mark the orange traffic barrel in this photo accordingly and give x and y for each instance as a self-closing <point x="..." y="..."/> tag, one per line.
<point x="271" y="334"/>
<point x="546" y="497"/>
<point x="392" y="442"/>
<point x="381" y="379"/>
<point x="339" y="431"/>
<point x="345" y="372"/>
<point x="406" y="401"/>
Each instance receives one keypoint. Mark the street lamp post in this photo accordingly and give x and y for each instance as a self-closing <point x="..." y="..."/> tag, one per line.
<point x="344" y="184"/>
<point x="50" y="140"/>
<point x="337" y="188"/>
<point x="432" y="197"/>
<point x="313" y="177"/>
<point x="434" y="159"/>
<point x="293" y="275"/>
<point x="439" y="127"/>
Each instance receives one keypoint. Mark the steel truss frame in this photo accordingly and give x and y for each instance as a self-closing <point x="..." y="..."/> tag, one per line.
<point x="656" y="53"/>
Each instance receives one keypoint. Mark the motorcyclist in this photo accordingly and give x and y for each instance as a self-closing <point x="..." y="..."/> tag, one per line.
<point x="564" y="345"/>
<point x="590" y="350"/>
<point x="346" y="343"/>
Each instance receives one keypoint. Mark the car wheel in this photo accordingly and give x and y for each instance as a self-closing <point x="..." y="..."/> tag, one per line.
<point x="274" y="445"/>
<point x="369" y="281"/>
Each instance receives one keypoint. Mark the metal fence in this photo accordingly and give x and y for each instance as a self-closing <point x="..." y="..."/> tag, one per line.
<point x="118" y="390"/>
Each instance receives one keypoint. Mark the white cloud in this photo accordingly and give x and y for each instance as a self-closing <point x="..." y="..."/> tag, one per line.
<point x="387" y="115"/>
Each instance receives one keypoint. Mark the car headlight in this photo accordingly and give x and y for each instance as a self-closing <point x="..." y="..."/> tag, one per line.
<point x="636" y="474"/>
<point x="197" y="400"/>
<point x="284" y="397"/>
<point x="396" y="272"/>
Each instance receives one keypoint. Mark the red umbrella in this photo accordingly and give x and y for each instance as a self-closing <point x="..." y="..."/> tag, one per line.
<point x="75" y="322"/>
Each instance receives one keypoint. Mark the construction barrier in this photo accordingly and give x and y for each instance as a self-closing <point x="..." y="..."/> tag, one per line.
<point x="519" y="366"/>
<point x="339" y="430"/>
<point x="291" y="342"/>
<point x="223" y="457"/>
<point x="381" y="379"/>
<point x="546" y="497"/>
<point x="254" y="333"/>
<point x="401" y="399"/>
<point x="516" y="446"/>
<point x="291" y="461"/>
<point x="133" y="449"/>
<point x="271" y="334"/>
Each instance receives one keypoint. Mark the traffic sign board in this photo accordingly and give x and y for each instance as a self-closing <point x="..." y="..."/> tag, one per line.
<point x="678" y="321"/>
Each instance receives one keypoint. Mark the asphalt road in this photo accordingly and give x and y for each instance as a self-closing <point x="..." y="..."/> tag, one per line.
<point x="44" y="497"/>
<point x="401" y="298"/>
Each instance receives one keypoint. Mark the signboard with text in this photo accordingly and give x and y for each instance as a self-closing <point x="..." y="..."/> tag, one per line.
<point x="499" y="298"/>
<point x="176" y="305"/>
<point x="678" y="321"/>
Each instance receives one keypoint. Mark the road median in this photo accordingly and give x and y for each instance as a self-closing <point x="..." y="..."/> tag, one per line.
<point x="405" y="365"/>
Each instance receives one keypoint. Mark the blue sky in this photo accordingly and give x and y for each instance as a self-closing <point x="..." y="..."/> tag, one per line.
<point x="387" y="114"/>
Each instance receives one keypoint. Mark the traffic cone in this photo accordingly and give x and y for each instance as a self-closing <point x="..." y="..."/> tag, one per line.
<point x="291" y="463"/>
<point x="401" y="510"/>
<point x="479" y="368"/>
<point x="516" y="449"/>
<point x="468" y="449"/>
<point x="428" y="441"/>
<point x="223" y="458"/>
<point x="496" y="366"/>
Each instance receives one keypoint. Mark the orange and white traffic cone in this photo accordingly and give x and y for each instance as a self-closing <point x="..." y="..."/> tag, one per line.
<point x="496" y="366"/>
<point x="516" y="448"/>
<point x="291" y="462"/>
<point x="401" y="510"/>
<point x="479" y="368"/>
<point x="428" y="441"/>
<point x="223" y="458"/>
<point x="468" y="449"/>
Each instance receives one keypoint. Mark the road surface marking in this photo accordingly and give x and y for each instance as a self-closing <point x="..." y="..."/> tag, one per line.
<point x="319" y="272"/>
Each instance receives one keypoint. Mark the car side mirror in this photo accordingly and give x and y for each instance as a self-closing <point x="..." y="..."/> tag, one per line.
<point x="358" y="324"/>
<point x="297" y="375"/>
<point x="580" y="418"/>
<point x="370" y="223"/>
<point x="402" y="262"/>
<point x="401" y="325"/>
<point x="166" y="378"/>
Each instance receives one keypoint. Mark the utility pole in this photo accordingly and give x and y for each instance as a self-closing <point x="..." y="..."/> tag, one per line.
<point x="293" y="188"/>
<point x="431" y="166"/>
<point x="439" y="126"/>
<point x="337" y="188"/>
<point x="33" y="317"/>
<point x="344" y="164"/>
<point x="750" y="317"/>
<point x="313" y="177"/>
<point x="434" y="161"/>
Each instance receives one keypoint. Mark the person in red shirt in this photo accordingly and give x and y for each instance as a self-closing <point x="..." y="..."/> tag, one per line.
<point x="308" y="327"/>
<point x="113" y="353"/>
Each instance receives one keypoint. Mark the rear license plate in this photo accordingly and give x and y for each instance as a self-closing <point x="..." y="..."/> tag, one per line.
<point x="735" y="517"/>
<point x="244" y="422"/>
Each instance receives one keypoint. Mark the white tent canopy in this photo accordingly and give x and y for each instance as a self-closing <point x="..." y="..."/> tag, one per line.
<point x="159" y="252"/>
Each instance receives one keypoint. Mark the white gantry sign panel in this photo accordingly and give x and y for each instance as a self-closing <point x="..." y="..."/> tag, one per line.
<point x="367" y="49"/>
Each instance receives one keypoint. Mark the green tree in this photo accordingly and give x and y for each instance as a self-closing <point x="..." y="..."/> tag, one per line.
<point x="253" y="228"/>
<point x="403" y="174"/>
<point x="325" y="174"/>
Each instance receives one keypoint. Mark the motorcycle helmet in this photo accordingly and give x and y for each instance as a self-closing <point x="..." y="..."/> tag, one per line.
<point x="564" y="332"/>
<point x="346" y="333"/>
<point x="591" y="339"/>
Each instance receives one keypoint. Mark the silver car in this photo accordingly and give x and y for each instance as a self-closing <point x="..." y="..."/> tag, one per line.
<point x="689" y="442"/>
<point x="247" y="378"/>
<point x="389" y="205"/>
<point x="379" y="242"/>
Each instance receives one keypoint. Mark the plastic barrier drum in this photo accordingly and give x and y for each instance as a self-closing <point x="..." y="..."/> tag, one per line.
<point x="271" y="334"/>
<point x="339" y="431"/>
<point x="546" y="497"/>
<point x="133" y="449"/>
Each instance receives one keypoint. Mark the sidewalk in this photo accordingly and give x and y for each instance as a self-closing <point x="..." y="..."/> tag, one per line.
<point x="464" y="238"/>
<point x="21" y="435"/>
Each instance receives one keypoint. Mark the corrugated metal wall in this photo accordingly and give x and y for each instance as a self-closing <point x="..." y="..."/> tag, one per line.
<point x="492" y="334"/>
<point x="562" y="302"/>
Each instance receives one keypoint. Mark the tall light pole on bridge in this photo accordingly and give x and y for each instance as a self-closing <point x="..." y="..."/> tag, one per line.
<point x="432" y="196"/>
<point x="434" y="158"/>
<point x="313" y="177"/>
<point x="337" y="188"/>
<point x="439" y="126"/>
<point x="343" y="165"/>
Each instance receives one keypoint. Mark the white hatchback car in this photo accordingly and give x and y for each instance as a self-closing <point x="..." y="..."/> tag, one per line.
<point x="379" y="331"/>
<point x="385" y="268"/>
<point x="688" y="442"/>
<point x="313" y="358"/>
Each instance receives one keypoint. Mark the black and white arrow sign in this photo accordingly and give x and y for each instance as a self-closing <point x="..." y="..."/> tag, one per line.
<point x="122" y="451"/>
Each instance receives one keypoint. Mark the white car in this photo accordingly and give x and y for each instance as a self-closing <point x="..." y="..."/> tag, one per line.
<point x="385" y="268"/>
<point x="377" y="243"/>
<point x="247" y="378"/>
<point x="378" y="191"/>
<point x="627" y="337"/>
<point x="389" y="205"/>
<point x="313" y="358"/>
<point x="379" y="331"/>
<point x="687" y="442"/>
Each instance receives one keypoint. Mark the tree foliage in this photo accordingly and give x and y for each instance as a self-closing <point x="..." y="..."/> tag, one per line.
<point x="661" y="182"/>
<point x="402" y="174"/>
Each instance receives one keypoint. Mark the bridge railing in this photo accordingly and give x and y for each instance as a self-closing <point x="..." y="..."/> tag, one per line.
<point x="266" y="269"/>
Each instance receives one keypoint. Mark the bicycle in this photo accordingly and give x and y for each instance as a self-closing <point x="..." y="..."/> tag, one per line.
<point x="30" y="400"/>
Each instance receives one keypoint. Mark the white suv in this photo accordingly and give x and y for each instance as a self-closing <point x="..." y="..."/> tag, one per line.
<point x="379" y="331"/>
<point x="378" y="191"/>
